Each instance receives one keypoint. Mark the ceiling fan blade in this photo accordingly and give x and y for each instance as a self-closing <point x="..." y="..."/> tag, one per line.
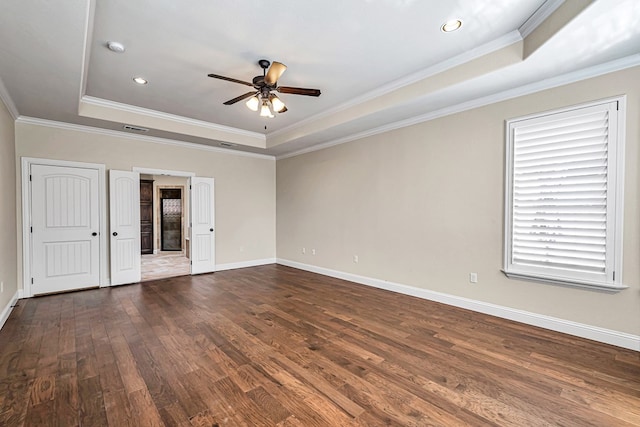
<point x="240" y="98"/>
<point x="274" y="73"/>
<point x="229" y="79"/>
<point x="298" y="91"/>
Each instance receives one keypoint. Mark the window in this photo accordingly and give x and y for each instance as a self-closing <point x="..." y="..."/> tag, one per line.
<point x="564" y="196"/>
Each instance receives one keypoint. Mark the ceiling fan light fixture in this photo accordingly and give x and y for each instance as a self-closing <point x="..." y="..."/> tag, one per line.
<point x="253" y="103"/>
<point x="265" y="111"/>
<point x="451" y="25"/>
<point x="277" y="104"/>
<point x="263" y="100"/>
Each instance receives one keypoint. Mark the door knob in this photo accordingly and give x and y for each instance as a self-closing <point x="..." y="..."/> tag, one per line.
<point x="211" y="229"/>
<point x="94" y="234"/>
<point x="115" y="233"/>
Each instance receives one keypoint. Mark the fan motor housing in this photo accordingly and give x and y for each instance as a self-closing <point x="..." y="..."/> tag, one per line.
<point x="258" y="82"/>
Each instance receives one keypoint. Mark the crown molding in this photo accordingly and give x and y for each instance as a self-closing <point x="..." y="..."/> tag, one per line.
<point x="539" y="16"/>
<point x="86" y="44"/>
<point x="145" y="138"/>
<point x="470" y="55"/>
<point x="99" y="102"/>
<point x="564" y="79"/>
<point x="8" y="102"/>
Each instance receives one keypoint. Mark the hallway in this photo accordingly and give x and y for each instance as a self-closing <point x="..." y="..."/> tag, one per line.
<point x="162" y="265"/>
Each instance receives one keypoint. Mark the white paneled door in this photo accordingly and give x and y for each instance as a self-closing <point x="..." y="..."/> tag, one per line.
<point x="65" y="225"/>
<point x="203" y="243"/>
<point x="124" y="215"/>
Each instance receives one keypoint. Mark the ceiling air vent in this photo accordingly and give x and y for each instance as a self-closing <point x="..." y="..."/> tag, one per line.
<point x="227" y="144"/>
<point x="134" y="128"/>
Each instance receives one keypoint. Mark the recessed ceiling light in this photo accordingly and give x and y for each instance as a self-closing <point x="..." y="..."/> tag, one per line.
<point x="140" y="80"/>
<point x="115" y="47"/>
<point x="451" y="25"/>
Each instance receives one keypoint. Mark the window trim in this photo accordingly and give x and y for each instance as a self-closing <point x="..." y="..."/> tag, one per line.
<point x="615" y="195"/>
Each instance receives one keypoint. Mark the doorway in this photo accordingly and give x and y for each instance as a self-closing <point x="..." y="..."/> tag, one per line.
<point x="199" y="258"/>
<point x="171" y="219"/>
<point x="168" y="254"/>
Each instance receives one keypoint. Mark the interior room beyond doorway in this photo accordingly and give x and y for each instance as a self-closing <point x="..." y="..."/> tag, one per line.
<point x="164" y="226"/>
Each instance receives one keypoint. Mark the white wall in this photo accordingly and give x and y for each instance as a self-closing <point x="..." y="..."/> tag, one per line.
<point x="244" y="185"/>
<point x="423" y="206"/>
<point x="8" y="244"/>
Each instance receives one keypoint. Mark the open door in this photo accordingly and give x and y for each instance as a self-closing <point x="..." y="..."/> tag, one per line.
<point x="124" y="200"/>
<point x="203" y="243"/>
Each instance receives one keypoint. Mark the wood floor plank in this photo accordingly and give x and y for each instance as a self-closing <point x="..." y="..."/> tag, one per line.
<point x="91" y="410"/>
<point x="276" y="346"/>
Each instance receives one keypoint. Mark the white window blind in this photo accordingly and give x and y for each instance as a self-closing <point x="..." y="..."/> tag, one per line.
<point x="561" y="196"/>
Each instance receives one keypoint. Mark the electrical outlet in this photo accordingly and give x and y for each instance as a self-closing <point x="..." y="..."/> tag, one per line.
<point x="304" y="250"/>
<point x="1" y="287"/>
<point x="355" y="259"/>
<point x="241" y="248"/>
<point x="313" y="251"/>
<point x="473" y="277"/>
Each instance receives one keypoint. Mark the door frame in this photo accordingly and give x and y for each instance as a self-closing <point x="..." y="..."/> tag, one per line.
<point x="183" y="219"/>
<point x="182" y="174"/>
<point x="190" y="175"/>
<point x="26" y="217"/>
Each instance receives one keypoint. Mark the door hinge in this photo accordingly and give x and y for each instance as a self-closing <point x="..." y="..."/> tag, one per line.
<point x="31" y="229"/>
<point x="32" y="280"/>
<point x="191" y="262"/>
<point x="614" y="276"/>
<point x="30" y="177"/>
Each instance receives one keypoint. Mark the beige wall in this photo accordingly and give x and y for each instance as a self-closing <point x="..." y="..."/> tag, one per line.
<point x="244" y="186"/>
<point x="423" y="206"/>
<point x="8" y="244"/>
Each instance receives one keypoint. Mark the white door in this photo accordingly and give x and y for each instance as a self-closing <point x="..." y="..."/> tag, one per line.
<point x="124" y="214"/>
<point x="203" y="242"/>
<point x="65" y="226"/>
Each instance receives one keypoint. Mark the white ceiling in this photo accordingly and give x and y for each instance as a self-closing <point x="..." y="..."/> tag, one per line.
<point x="379" y="63"/>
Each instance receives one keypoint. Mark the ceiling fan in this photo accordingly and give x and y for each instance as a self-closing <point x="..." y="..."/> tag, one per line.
<point x="264" y="85"/>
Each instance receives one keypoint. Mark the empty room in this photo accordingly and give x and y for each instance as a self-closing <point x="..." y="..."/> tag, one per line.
<point x="357" y="213"/>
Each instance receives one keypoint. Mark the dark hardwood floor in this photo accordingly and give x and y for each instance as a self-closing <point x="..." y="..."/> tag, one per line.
<point x="275" y="346"/>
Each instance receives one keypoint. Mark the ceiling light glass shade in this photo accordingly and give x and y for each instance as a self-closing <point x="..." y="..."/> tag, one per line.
<point x="265" y="111"/>
<point x="451" y="25"/>
<point x="253" y="103"/>
<point x="276" y="103"/>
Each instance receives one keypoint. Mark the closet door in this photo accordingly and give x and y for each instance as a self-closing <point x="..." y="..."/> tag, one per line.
<point x="64" y="229"/>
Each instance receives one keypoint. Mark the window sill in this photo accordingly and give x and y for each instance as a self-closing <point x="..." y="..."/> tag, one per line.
<point x="600" y="286"/>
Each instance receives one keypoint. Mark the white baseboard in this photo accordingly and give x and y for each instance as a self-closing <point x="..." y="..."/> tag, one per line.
<point x="7" y="310"/>
<point x="608" y="336"/>
<point x="245" y="264"/>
